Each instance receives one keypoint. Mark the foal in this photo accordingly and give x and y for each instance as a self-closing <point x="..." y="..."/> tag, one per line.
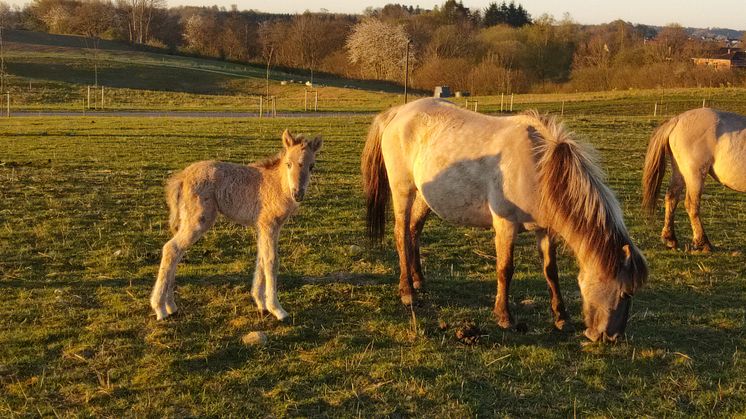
<point x="261" y="194"/>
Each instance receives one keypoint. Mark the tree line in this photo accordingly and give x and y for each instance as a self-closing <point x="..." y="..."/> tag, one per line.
<point x="501" y="48"/>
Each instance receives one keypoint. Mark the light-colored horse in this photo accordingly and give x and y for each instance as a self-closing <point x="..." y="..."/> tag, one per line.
<point x="515" y="173"/>
<point x="262" y="194"/>
<point x="699" y="141"/>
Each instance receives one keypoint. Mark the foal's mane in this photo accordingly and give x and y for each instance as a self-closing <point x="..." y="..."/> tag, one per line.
<point x="274" y="161"/>
<point x="576" y="204"/>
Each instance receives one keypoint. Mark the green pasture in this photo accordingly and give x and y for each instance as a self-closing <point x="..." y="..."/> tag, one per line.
<point x="83" y="218"/>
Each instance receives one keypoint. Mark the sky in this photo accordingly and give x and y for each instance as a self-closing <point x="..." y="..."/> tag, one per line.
<point x="694" y="13"/>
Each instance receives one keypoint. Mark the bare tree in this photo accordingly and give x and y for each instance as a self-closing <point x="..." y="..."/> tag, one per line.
<point x="92" y="19"/>
<point x="139" y="15"/>
<point x="379" y="48"/>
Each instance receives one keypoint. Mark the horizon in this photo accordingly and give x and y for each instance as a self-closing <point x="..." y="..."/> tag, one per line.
<point x="721" y="14"/>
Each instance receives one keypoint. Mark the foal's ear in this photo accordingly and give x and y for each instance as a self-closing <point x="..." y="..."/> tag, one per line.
<point x="288" y="140"/>
<point x="315" y="144"/>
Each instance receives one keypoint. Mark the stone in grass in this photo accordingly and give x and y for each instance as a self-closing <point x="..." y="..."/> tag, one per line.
<point x="254" y="339"/>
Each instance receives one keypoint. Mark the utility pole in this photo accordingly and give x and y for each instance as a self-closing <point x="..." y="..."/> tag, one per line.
<point x="2" y="62"/>
<point x="406" y="72"/>
<point x="269" y="61"/>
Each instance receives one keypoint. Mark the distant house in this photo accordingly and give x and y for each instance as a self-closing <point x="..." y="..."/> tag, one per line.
<point x="442" y="91"/>
<point x="723" y="58"/>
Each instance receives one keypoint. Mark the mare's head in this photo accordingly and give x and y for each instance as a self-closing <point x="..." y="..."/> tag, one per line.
<point x="607" y="298"/>
<point x="297" y="162"/>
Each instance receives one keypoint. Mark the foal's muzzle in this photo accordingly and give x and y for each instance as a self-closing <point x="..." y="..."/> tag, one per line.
<point x="298" y="195"/>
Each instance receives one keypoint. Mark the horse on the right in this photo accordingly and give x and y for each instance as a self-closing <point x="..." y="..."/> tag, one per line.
<point x="700" y="142"/>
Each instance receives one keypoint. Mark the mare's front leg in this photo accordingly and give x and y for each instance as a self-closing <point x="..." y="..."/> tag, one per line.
<point x="505" y="234"/>
<point x="548" y="253"/>
<point x="268" y="236"/>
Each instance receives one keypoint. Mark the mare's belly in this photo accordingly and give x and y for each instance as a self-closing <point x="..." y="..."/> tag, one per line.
<point x="460" y="199"/>
<point x="730" y="162"/>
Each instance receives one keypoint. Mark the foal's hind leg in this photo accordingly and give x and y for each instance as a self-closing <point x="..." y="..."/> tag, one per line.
<point x="548" y="252"/>
<point x="694" y="185"/>
<point x="668" y="235"/>
<point x="419" y="213"/>
<point x="199" y="217"/>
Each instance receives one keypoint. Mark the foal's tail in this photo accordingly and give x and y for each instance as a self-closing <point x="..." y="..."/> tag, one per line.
<point x="655" y="165"/>
<point x="173" y="198"/>
<point x="375" y="180"/>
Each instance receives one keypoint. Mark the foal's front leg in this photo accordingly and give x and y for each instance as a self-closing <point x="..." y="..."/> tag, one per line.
<point x="505" y="234"/>
<point x="267" y="246"/>
<point x="258" y="286"/>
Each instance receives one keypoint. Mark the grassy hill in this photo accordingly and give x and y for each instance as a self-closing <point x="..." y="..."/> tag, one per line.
<point x="53" y="71"/>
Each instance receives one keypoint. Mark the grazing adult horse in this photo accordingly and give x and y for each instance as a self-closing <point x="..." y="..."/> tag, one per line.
<point x="262" y="194"/>
<point x="516" y="173"/>
<point x="699" y="142"/>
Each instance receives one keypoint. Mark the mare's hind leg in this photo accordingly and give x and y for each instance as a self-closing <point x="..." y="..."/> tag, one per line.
<point x="668" y="235"/>
<point x="694" y="186"/>
<point x="548" y="252"/>
<point x="505" y="234"/>
<point x="403" y="201"/>
<point x="198" y="217"/>
<point x="418" y="216"/>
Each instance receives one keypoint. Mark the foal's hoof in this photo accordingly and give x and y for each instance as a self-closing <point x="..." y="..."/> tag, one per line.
<point x="160" y="313"/>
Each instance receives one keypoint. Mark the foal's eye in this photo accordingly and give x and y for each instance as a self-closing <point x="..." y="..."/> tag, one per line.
<point x="289" y="164"/>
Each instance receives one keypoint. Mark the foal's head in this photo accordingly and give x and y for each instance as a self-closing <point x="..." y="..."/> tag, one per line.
<point x="607" y="300"/>
<point x="298" y="161"/>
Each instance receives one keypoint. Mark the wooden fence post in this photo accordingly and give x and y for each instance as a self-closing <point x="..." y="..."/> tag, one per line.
<point x="511" y="101"/>
<point x="316" y="102"/>
<point x="261" y="100"/>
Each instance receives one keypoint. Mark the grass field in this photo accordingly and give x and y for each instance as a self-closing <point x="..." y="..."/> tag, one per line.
<point x="82" y="221"/>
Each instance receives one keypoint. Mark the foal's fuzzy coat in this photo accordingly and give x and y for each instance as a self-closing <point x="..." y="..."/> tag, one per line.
<point x="262" y="194"/>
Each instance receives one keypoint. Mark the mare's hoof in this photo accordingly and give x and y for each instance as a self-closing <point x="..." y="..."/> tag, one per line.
<point x="564" y="326"/>
<point x="699" y="248"/>
<point x="407" y="300"/>
<point x="672" y="244"/>
<point x="417" y="285"/>
<point x="505" y="323"/>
